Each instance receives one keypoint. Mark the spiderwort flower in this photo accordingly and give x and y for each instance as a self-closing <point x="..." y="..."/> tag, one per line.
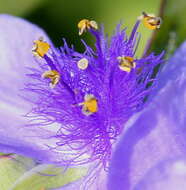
<point x="70" y="106"/>
<point x="89" y="95"/>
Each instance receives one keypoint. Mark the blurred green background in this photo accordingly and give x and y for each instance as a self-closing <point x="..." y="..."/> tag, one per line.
<point x="59" y="18"/>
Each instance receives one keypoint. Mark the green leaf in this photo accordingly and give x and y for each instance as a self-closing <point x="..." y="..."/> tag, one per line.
<point x="11" y="168"/>
<point x="48" y="176"/>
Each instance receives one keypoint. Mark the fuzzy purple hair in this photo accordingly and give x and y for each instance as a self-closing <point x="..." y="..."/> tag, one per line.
<point x="119" y="94"/>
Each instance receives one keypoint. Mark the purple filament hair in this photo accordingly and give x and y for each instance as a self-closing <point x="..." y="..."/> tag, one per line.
<point x="118" y="94"/>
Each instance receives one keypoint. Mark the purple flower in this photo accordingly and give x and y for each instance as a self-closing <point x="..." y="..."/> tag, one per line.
<point x="66" y="107"/>
<point x="89" y="95"/>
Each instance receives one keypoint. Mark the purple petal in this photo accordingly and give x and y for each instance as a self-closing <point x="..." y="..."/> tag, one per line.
<point x="16" y="41"/>
<point x="169" y="174"/>
<point x="155" y="134"/>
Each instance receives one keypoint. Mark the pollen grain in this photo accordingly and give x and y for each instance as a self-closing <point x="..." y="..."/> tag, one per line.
<point x="82" y="63"/>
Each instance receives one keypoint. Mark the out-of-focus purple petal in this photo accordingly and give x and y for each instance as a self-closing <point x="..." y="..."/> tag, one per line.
<point x="16" y="41"/>
<point x="169" y="174"/>
<point x="155" y="134"/>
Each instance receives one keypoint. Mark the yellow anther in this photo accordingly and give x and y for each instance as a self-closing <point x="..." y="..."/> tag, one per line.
<point x="90" y="105"/>
<point x="93" y="24"/>
<point x="40" y="47"/>
<point x="151" y="21"/>
<point x="126" y="63"/>
<point x="82" y="63"/>
<point x="85" y="24"/>
<point x="53" y="75"/>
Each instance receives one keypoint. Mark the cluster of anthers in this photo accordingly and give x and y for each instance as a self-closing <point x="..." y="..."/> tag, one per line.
<point x="108" y="85"/>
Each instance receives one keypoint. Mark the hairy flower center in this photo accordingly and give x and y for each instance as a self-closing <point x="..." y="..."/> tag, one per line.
<point x="95" y="92"/>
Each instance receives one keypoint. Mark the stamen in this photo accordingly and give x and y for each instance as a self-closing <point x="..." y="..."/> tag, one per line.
<point x="94" y="24"/>
<point x="85" y="24"/>
<point x="82" y="63"/>
<point x="40" y="47"/>
<point x="151" y="21"/>
<point x="90" y="105"/>
<point x="53" y="75"/>
<point x="126" y="63"/>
